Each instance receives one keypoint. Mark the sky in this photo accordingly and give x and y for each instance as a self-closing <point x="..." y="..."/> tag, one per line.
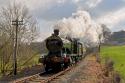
<point x="48" y="12"/>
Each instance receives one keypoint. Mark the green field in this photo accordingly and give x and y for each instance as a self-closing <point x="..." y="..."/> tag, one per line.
<point x="117" y="54"/>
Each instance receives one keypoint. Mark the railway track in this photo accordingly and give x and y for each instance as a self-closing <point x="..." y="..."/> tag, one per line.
<point x="45" y="78"/>
<point x="42" y="77"/>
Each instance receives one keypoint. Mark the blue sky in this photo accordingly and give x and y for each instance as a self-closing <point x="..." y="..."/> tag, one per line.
<point x="48" y="12"/>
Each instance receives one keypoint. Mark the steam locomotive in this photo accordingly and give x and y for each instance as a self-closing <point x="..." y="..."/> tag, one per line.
<point x="61" y="52"/>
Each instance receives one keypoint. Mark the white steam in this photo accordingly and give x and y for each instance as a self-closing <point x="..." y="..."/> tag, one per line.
<point x="79" y="25"/>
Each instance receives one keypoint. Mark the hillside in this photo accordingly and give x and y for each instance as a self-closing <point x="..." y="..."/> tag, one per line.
<point x="117" y="38"/>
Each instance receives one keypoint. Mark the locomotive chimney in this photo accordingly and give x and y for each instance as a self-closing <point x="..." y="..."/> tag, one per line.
<point x="56" y="32"/>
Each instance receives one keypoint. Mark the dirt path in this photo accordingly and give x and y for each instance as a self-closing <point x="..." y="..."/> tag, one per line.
<point x="88" y="71"/>
<point x="92" y="72"/>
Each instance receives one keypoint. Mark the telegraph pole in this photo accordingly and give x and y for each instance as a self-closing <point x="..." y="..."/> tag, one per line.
<point x="16" y="23"/>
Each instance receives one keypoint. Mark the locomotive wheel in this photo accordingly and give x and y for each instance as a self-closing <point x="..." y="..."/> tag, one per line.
<point x="47" y="68"/>
<point x="57" y="67"/>
<point x="66" y="65"/>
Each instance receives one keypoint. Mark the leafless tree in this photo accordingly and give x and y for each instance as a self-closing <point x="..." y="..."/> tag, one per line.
<point x="27" y="33"/>
<point x="103" y="34"/>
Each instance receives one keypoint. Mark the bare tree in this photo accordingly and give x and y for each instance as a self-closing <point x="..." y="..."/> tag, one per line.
<point x="26" y="33"/>
<point x="12" y="12"/>
<point x="103" y="35"/>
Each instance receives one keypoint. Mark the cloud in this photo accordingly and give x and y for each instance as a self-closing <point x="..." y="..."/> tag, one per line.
<point x="93" y="3"/>
<point x="43" y="36"/>
<point x="75" y="1"/>
<point x="39" y="4"/>
<point x="34" y="4"/>
<point x="45" y="29"/>
<point x="3" y="2"/>
<point x="47" y="7"/>
<point x="86" y="4"/>
<point x="61" y="1"/>
<point x="123" y="0"/>
<point x="112" y="18"/>
<point x="58" y="12"/>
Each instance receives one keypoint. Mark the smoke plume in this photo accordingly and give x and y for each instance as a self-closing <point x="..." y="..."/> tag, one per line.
<point x="80" y="26"/>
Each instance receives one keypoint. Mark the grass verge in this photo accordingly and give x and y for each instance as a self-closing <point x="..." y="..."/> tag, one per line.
<point x="117" y="54"/>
